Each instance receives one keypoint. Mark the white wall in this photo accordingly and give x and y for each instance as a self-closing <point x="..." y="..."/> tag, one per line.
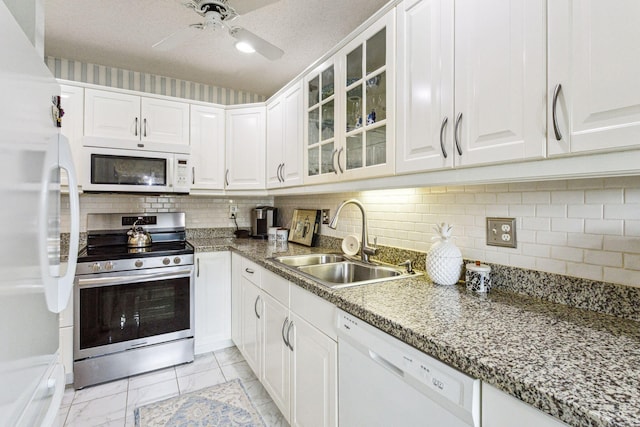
<point x="68" y="69"/>
<point x="582" y="228"/>
<point x="30" y="15"/>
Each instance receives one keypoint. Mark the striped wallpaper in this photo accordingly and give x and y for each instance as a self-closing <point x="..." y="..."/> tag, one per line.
<point x="68" y="69"/>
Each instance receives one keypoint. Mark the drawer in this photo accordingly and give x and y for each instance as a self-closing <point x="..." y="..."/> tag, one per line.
<point x="252" y="272"/>
<point x="315" y="310"/>
<point x="276" y="286"/>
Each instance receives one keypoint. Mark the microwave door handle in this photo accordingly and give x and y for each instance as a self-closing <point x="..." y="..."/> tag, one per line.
<point x="170" y="171"/>
<point x="58" y="289"/>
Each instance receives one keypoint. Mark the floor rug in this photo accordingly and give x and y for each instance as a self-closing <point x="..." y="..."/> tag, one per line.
<point x="225" y="404"/>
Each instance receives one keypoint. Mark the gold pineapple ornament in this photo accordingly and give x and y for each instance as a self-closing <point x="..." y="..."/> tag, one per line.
<point x="444" y="259"/>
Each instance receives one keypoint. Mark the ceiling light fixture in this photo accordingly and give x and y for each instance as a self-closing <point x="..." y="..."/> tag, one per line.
<point x="245" y="47"/>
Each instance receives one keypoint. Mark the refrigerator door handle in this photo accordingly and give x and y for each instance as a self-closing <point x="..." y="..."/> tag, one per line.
<point x="58" y="289"/>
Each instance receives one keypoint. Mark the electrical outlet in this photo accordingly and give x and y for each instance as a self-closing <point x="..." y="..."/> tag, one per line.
<point x="325" y="216"/>
<point x="501" y="232"/>
<point x="233" y="211"/>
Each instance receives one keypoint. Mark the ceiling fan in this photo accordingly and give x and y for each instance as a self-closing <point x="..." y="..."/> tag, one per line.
<point x="218" y="14"/>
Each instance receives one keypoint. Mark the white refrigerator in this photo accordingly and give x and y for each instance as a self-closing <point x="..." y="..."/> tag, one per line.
<point x="32" y="153"/>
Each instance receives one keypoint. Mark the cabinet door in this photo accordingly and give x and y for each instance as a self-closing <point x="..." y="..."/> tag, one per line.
<point x="314" y="376"/>
<point x="165" y="122"/>
<point x="275" y="143"/>
<point x="500" y="81"/>
<point x="212" y="301"/>
<point x="500" y="410"/>
<point x="425" y="86"/>
<point x="368" y="107"/>
<point x="320" y="125"/>
<point x="292" y="155"/>
<point x="72" y="99"/>
<point x="276" y="354"/>
<point x="594" y="51"/>
<point x="245" y="148"/>
<point x="207" y="148"/>
<point x="236" y="300"/>
<point x="250" y="324"/>
<point x="111" y="115"/>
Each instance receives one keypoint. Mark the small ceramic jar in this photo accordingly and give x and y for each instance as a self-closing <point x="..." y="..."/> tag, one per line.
<point x="478" y="277"/>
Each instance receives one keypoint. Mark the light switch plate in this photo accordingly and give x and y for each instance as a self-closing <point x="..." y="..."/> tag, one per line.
<point x="325" y="216"/>
<point x="501" y="232"/>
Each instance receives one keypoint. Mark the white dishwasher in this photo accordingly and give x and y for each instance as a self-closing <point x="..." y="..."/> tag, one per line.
<point x="385" y="382"/>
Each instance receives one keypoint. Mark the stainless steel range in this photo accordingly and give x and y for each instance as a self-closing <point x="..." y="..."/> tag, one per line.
<point x="133" y="297"/>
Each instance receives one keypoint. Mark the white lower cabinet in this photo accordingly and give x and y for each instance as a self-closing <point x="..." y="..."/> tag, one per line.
<point x="287" y="335"/>
<point x="212" y="301"/>
<point x="502" y="410"/>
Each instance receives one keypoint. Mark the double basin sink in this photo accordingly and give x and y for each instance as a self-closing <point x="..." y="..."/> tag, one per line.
<point x="337" y="271"/>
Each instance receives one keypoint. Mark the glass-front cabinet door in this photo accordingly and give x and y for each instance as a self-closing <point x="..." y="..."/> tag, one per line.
<point x="320" y="123"/>
<point x="350" y="108"/>
<point x="368" y="105"/>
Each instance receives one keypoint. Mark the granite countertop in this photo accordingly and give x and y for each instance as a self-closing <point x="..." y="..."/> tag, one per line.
<point x="580" y="366"/>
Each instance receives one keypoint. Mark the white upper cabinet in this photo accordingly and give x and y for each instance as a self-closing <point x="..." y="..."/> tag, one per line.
<point x="500" y="81"/>
<point x="284" y="139"/>
<point x="594" y="66"/>
<point x="425" y="86"/>
<point x="350" y="109"/>
<point x="207" y="148"/>
<point x="245" y="148"/>
<point x="487" y="108"/>
<point x="121" y="120"/>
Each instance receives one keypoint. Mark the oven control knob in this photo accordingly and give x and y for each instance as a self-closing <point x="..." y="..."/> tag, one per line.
<point x="166" y="261"/>
<point x="108" y="266"/>
<point x="177" y="260"/>
<point x="95" y="267"/>
<point x="138" y="263"/>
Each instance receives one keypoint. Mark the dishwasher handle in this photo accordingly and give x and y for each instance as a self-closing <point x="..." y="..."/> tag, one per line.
<point x="385" y="363"/>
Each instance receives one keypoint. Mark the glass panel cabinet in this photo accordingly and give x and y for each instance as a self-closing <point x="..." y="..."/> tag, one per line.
<point x="350" y="108"/>
<point x="321" y="122"/>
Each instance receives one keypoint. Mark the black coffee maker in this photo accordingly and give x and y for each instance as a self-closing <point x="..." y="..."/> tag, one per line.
<point x="263" y="217"/>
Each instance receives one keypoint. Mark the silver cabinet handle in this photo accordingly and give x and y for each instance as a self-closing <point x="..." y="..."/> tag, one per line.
<point x="278" y="172"/>
<point x="442" y="128"/>
<point x="198" y="268"/>
<point x="282" y="173"/>
<point x="255" y="306"/>
<point x="455" y="133"/>
<point x="284" y="326"/>
<point x="333" y="161"/>
<point x="248" y="270"/>
<point x="145" y="127"/>
<point x="289" y="336"/>
<point x="193" y="174"/>
<point x="135" y="132"/>
<point x="554" y="111"/>
<point x="226" y="178"/>
<point x="340" y="166"/>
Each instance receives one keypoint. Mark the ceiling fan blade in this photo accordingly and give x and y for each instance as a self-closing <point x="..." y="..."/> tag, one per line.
<point x="261" y="46"/>
<point x="246" y="6"/>
<point x="178" y="38"/>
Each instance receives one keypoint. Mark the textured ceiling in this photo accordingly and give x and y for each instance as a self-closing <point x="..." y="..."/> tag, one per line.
<point x="120" y="33"/>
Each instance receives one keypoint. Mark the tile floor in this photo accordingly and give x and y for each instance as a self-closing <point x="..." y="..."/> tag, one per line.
<point x="112" y="404"/>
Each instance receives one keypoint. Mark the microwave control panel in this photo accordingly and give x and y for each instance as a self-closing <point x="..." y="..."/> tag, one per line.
<point x="182" y="174"/>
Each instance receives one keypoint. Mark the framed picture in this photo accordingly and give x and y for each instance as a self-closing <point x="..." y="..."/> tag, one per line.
<point x="304" y="226"/>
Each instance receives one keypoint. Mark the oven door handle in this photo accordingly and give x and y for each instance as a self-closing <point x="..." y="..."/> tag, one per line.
<point x="125" y="280"/>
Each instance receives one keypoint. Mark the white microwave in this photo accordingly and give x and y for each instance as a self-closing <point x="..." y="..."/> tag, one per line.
<point x="133" y="171"/>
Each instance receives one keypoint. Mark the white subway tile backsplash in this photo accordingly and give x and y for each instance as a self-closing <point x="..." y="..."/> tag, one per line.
<point x="522" y="210"/>
<point x="567" y="254"/>
<point x="536" y="197"/>
<point x="555" y="238"/>
<point x="585" y="241"/>
<point x="614" y="195"/>
<point x="619" y="275"/>
<point x="572" y="225"/>
<point x="585" y="211"/>
<point x="604" y="226"/>
<point x="625" y="211"/>
<point x="631" y="261"/>
<point x="567" y="197"/>
<point x="552" y="211"/>
<point x="609" y="259"/>
<point x="551" y="265"/>
<point x="536" y="223"/>
<point x="622" y="244"/>
<point x="585" y="271"/>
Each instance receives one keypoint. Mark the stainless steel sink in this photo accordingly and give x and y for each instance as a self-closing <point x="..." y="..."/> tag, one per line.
<point x="310" y="259"/>
<point x="336" y="271"/>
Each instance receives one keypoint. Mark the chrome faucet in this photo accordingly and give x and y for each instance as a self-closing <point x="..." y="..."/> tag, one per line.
<point x="366" y="250"/>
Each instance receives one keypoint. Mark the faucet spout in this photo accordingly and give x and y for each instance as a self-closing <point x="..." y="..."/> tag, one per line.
<point x="366" y="249"/>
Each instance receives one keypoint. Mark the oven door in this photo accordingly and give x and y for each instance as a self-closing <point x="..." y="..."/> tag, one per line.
<point x="121" y="311"/>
